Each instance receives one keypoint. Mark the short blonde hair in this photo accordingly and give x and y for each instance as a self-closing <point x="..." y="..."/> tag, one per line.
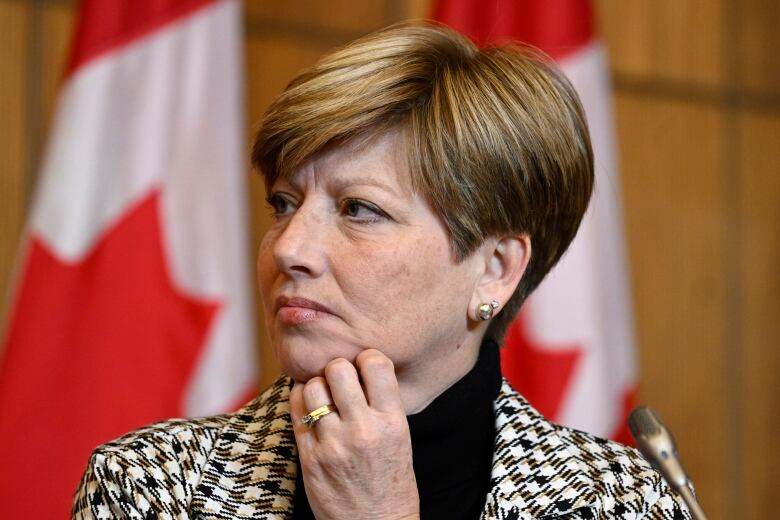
<point x="496" y="138"/>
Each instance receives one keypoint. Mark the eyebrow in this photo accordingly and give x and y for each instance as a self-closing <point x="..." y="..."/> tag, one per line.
<point x="343" y="183"/>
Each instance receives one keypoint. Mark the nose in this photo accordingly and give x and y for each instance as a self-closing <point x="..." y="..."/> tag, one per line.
<point x="299" y="248"/>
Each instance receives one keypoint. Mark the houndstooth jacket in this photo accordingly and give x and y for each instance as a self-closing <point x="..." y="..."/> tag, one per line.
<point x="243" y="465"/>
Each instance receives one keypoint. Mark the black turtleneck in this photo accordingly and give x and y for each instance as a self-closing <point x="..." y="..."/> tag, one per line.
<point x="452" y="445"/>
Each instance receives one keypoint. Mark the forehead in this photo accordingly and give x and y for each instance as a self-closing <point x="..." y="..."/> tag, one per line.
<point x="377" y="159"/>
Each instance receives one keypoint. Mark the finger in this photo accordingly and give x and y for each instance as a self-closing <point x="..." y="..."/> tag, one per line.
<point x="344" y="385"/>
<point x="315" y="395"/>
<point x="297" y="404"/>
<point x="379" y="380"/>
<point x="304" y="436"/>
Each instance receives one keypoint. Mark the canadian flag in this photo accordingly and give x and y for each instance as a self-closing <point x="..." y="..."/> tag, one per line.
<point x="133" y="302"/>
<point x="571" y="351"/>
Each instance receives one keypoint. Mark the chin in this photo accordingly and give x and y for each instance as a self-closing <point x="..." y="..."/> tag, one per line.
<point x="303" y="360"/>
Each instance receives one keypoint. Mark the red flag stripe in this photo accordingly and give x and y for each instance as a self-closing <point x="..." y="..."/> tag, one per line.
<point x="96" y="347"/>
<point x="558" y="27"/>
<point x="106" y="25"/>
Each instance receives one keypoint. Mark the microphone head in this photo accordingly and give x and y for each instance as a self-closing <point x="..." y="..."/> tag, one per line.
<point x="644" y="421"/>
<point x="657" y="445"/>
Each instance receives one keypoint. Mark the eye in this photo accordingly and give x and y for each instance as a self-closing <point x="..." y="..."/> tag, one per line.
<point x="280" y="204"/>
<point x="362" y="211"/>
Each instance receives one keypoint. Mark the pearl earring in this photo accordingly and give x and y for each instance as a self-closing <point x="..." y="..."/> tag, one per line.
<point x="485" y="310"/>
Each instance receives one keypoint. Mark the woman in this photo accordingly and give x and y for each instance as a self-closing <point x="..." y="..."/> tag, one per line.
<point x="421" y="189"/>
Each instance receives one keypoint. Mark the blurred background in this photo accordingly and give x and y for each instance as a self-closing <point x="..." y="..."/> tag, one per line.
<point x="697" y="105"/>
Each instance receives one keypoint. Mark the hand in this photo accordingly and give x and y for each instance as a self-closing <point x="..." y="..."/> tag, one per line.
<point x="357" y="462"/>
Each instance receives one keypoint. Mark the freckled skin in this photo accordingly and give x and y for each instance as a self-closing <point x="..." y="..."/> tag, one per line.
<point x="391" y="281"/>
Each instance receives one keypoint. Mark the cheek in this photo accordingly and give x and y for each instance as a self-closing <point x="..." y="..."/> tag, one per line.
<point x="386" y="283"/>
<point x="266" y="265"/>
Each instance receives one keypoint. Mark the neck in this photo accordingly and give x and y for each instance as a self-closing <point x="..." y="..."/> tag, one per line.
<point x="423" y="380"/>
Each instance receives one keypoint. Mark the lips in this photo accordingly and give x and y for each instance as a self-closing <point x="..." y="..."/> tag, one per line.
<point x="293" y="310"/>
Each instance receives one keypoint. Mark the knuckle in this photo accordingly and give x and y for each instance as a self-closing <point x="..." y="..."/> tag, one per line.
<point x="365" y="434"/>
<point x="314" y="387"/>
<point x="373" y="358"/>
<point x="338" y="366"/>
<point x="396" y="427"/>
<point x="314" y="383"/>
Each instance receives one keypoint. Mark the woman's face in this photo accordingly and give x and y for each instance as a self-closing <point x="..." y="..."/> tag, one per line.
<point x="356" y="260"/>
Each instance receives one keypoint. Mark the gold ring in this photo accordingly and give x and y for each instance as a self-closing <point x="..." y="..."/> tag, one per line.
<point x="312" y="417"/>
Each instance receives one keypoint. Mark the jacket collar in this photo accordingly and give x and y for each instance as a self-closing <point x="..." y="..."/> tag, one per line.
<point x="252" y="469"/>
<point x="535" y="474"/>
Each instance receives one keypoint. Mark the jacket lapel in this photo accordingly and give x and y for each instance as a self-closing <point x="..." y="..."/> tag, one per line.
<point x="534" y="474"/>
<point x="251" y="471"/>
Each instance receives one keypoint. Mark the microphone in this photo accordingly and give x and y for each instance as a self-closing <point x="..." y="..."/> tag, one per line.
<point x="657" y="445"/>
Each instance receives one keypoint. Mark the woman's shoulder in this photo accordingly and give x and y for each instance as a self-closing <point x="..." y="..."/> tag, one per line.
<point x="563" y="469"/>
<point x="158" y="469"/>
<point x="156" y="445"/>
<point x="174" y="434"/>
<point x="623" y="476"/>
<point x="165" y="458"/>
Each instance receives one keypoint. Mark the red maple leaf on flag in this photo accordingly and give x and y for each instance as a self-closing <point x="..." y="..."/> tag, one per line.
<point x="540" y="373"/>
<point x="543" y="374"/>
<point x="112" y="321"/>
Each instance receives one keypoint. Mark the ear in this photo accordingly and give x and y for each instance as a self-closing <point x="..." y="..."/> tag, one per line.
<point x="505" y="261"/>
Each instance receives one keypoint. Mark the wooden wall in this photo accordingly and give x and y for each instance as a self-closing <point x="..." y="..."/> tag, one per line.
<point x="697" y="95"/>
<point x="698" y="112"/>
